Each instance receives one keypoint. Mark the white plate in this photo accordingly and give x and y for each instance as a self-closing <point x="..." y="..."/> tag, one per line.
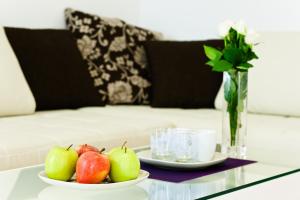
<point x="105" y="186"/>
<point x="145" y="156"/>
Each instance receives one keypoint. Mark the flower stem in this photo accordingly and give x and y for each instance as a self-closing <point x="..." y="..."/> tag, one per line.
<point x="235" y="93"/>
<point x="232" y="104"/>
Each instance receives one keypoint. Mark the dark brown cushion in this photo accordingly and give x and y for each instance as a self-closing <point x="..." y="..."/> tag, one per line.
<point x="54" y="68"/>
<point x="179" y="75"/>
<point x="114" y="51"/>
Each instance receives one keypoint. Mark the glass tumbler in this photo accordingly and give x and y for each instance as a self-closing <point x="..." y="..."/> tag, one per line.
<point x="160" y="144"/>
<point x="181" y="144"/>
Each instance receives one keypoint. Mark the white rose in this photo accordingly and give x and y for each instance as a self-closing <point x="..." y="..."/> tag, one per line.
<point x="224" y="27"/>
<point x="240" y="27"/>
<point x="252" y="37"/>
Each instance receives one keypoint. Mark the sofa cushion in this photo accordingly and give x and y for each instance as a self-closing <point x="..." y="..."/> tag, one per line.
<point x="275" y="137"/>
<point x="25" y="140"/>
<point x="16" y="97"/>
<point x="274" y="82"/>
<point x="54" y="68"/>
<point x="115" y="54"/>
<point x="179" y="75"/>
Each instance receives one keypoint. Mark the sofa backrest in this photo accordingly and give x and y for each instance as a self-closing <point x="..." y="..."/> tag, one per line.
<point x="274" y="82"/>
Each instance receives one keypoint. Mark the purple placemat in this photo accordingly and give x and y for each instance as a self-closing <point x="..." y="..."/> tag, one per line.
<point x="177" y="176"/>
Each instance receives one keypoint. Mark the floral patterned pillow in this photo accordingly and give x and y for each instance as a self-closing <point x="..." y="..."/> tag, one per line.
<point x="115" y="55"/>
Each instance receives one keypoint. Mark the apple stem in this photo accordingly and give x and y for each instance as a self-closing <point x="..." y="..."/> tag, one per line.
<point x="69" y="147"/>
<point x="103" y="149"/>
<point x="124" y="145"/>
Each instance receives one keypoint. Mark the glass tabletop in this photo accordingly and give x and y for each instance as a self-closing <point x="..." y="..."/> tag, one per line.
<point x="24" y="184"/>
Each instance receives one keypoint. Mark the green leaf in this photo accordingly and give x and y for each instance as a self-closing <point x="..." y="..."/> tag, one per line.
<point x="251" y="55"/>
<point x="254" y="56"/>
<point x="212" y="53"/>
<point x="245" y="47"/>
<point x="247" y="65"/>
<point x="233" y="55"/>
<point x="242" y="41"/>
<point x="233" y="36"/>
<point x="244" y="66"/>
<point x="229" y="90"/>
<point x="243" y="85"/>
<point x="210" y="63"/>
<point x="221" y="65"/>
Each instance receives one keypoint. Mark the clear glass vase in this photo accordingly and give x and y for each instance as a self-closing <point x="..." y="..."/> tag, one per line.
<point x="235" y="113"/>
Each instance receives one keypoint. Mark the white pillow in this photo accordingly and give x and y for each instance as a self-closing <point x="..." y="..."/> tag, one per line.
<point x="15" y="95"/>
<point x="274" y="82"/>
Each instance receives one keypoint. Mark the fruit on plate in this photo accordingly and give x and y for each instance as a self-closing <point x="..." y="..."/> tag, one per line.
<point x="125" y="164"/>
<point x="61" y="163"/>
<point x="81" y="149"/>
<point x="92" y="167"/>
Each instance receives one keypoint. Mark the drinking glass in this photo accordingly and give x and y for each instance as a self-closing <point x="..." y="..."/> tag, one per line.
<point x="160" y="144"/>
<point x="182" y="144"/>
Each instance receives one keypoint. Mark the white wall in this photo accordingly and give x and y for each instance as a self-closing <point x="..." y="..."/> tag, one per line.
<point x="49" y="13"/>
<point x="178" y="19"/>
<point x="194" y="19"/>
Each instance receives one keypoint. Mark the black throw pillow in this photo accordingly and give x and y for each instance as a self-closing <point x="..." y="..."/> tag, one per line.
<point x="54" y="68"/>
<point x="180" y="78"/>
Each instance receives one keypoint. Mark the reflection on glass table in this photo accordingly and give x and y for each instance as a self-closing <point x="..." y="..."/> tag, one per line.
<point x="24" y="184"/>
<point x="212" y="184"/>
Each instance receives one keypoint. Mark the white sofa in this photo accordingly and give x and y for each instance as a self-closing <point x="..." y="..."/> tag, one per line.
<point x="273" y="133"/>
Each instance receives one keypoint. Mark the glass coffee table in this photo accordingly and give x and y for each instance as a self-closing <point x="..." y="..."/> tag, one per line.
<point x="24" y="184"/>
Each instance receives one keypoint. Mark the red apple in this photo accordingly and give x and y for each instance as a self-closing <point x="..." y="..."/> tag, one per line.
<point x="81" y="149"/>
<point x="92" y="167"/>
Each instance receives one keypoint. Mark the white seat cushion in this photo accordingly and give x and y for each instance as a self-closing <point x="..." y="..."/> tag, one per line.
<point x="274" y="83"/>
<point x="25" y="140"/>
<point x="16" y="97"/>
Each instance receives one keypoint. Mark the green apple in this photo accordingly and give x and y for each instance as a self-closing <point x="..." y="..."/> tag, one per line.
<point x="61" y="163"/>
<point x="124" y="164"/>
